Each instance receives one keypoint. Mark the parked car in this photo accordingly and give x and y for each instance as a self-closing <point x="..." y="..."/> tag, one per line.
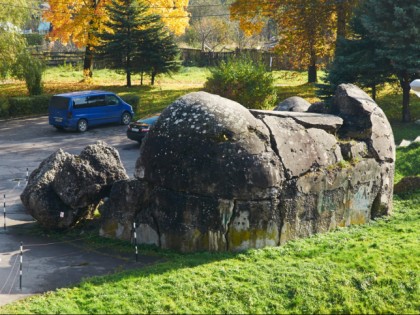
<point x="138" y="130"/>
<point x="83" y="109"/>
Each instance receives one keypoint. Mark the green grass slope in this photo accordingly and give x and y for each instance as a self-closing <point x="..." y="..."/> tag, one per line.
<point x="362" y="269"/>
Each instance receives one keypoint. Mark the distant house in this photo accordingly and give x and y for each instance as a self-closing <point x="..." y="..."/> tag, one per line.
<point x="44" y="27"/>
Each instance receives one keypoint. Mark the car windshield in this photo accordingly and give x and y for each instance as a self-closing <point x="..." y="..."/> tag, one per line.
<point x="59" y="102"/>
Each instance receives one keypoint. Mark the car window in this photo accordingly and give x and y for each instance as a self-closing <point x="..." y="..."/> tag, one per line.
<point x="96" y="100"/>
<point x="59" y="102"/>
<point x="80" y="102"/>
<point x="111" y="100"/>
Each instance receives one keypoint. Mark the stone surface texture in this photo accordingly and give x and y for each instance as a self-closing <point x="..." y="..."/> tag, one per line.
<point x="66" y="188"/>
<point x="215" y="176"/>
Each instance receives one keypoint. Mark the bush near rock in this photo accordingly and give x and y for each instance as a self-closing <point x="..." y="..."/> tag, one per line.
<point x="66" y="188"/>
<point x="215" y="176"/>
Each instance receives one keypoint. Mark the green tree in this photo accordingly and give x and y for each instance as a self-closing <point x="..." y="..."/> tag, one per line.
<point x="357" y="61"/>
<point x="15" y="60"/>
<point x="158" y="53"/>
<point x="29" y="69"/>
<point x="395" y="25"/>
<point x="12" y="43"/>
<point x="129" y="27"/>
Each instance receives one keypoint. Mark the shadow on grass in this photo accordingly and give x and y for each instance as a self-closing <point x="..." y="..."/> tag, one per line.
<point x="306" y="91"/>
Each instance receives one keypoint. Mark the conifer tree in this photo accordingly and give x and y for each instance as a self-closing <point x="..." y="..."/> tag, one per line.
<point x="129" y="27"/>
<point x="395" y="25"/>
<point x="158" y="54"/>
<point x="357" y="61"/>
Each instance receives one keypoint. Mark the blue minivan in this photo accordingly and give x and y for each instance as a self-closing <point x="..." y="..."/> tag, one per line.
<point x="83" y="109"/>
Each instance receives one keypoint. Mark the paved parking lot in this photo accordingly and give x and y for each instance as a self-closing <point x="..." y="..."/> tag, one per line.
<point x="24" y="144"/>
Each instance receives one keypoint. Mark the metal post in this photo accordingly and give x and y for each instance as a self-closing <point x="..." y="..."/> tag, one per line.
<point x="4" y="210"/>
<point x="21" y="262"/>
<point x="135" y="241"/>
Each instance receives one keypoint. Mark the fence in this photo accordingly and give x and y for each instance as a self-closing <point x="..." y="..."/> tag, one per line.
<point x="196" y="57"/>
<point x="189" y="57"/>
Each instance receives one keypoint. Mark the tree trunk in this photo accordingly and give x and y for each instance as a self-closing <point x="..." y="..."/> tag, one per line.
<point x="405" y="84"/>
<point x="312" y="75"/>
<point x="312" y="71"/>
<point x="153" y="75"/>
<point x="341" y="19"/>
<point x="373" y="87"/>
<point x="88" y="62"/>
<point x="141" y="78"/>
<point x="128" y="76"/>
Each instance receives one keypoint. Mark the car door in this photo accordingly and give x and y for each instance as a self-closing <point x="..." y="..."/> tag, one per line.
<point x="97" y="109"/>
<point x="113" y="108"/>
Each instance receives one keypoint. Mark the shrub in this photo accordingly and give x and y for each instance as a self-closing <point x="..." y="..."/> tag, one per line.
<point x="4" y="107"/>
<point x="40" y="104"/>
<point x="34" y="39"/>
<point x="20" y="106"/>
<point x="28" y="105"/>
<point x="30" y="69"/>
<point x="243" y="80"/>
<point x="133" y="100"/>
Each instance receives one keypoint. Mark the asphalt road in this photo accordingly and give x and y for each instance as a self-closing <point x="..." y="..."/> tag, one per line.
<point x="48" y="263"/>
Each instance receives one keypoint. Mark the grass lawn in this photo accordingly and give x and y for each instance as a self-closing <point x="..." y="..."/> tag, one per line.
<point x="372" y="268"/>
<point x="362" y="269"/>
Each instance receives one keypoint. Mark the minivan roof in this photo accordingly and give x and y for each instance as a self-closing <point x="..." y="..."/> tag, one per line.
<point x="84" y="93"/>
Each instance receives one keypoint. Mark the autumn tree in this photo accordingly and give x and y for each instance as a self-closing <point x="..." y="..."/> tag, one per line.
<point x="209" y="24"/>
<point x="81" y="21"/>
<point x="344" y="11"/>
<point x="306" y="28"/>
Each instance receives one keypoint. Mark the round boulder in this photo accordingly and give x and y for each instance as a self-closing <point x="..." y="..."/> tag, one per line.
<point x="208" y="145"/>
<point x="293" y="104"/>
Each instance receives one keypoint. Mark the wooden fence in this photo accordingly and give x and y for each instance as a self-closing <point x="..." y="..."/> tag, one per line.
<point x="195" y="57"/>
<point x="189" y="57"/>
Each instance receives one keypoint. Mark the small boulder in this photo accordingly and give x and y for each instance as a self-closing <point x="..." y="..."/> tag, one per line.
<point x="293" y="104"/>
<point x="66" y="188"/>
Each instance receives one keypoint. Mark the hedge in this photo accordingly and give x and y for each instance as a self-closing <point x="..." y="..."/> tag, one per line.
<point x="133" y="100"/>
<point x="38" y="105"/>
<point x="28" y="105"/>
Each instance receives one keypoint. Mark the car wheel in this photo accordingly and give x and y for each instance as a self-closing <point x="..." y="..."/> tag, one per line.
<point x="125" y="118"/>
<point x="82" y="125"/>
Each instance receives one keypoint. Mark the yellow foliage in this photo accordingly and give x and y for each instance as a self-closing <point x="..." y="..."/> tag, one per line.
<point x="173" y="13"/>
<point x="80" y="20"/>
<point x="306" y="27"/>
